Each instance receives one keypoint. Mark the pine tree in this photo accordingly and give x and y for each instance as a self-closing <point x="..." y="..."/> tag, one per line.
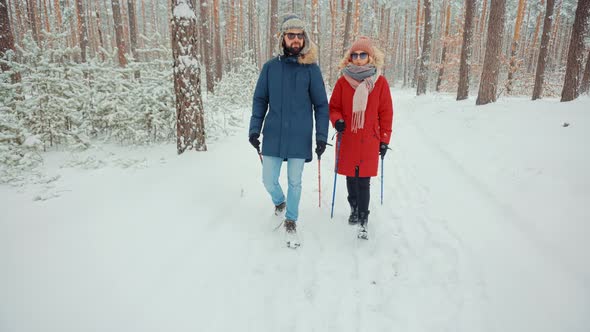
<point x="443" y="60"/>
<point x="514" y="48"/>
<point x="132" y="29"/>
<point x="575" y="54"/>
<point x="273" y="31"/>
<point x="585" y="86"/>
<point x="217" y="41"/>
<point x="466" y="48"/>
<point x="347" y="27"/>
<point x="6" y="42"/>
<point x="118" y="22"/>
<point x="426" y="48"/>
<point x="488" y="83"/>
<point x="207" y="46"/>
<point x="187" y="84"/>
<point x="82" y="29"/>
<point x="543" y="51"/>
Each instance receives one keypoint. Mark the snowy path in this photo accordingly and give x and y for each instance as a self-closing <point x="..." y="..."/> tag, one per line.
<point x="187" y="244"/>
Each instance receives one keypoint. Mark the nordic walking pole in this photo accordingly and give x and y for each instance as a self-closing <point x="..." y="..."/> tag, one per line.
<point x="335" y="172"/>
<point x="382" y="159"/>
<point x="259" y="155"/>
<point x="319" y="183"/>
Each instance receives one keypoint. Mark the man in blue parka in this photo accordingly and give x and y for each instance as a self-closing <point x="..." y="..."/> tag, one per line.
<point x="289" y="94"/>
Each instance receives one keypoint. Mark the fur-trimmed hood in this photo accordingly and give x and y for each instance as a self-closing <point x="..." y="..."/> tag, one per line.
<point x="378" y="59"/>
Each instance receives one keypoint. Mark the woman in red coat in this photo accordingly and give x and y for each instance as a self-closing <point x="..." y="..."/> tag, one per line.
<point x="361" y="110"/>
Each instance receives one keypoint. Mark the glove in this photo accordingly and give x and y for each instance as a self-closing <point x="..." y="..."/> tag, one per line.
<point x="383" y="149"/>
<point x="255" y="141"/>
<point x="320" y="148"/>
<point x="340" y="125"/>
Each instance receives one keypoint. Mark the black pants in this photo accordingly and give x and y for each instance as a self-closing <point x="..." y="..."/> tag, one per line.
<point x="359" y="192"/>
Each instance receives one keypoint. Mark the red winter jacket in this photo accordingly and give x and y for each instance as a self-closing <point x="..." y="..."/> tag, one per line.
<point x="362" y="148"/>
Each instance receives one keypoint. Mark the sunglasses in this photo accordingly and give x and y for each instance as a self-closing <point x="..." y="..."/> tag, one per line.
<point x="362" y="55"/>
<point x="292" y="36"/>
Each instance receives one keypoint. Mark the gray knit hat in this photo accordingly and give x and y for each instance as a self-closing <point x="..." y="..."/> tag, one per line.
<point x="292" y="21"/>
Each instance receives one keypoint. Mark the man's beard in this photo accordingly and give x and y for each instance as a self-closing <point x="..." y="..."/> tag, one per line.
<point x="293" y="50"/>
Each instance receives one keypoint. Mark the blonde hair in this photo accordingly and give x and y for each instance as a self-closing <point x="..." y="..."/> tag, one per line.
<point x="377" y="60"/>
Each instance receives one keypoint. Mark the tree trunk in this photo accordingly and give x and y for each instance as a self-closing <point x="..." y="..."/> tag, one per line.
<point x="514" y="47"/>
<point x="32" y="20"/>
<point x="207" y="47"/>
<point x="251" y="31"/>
<point x="190" y="126"/>
<point x="119" y="32"/>
<point x="143" y="19"/>
<point x="315" y="23"/>
<point x="99" y="32"/>
<point x="405" y="52"/>
<point x="20" y="21"/>
<point x="543" y="51"/>
<point x="426" y="47"/>
<point x="133" y="33"/>
<point x="488" y="83"/>
<point x="6" y="39"/>
<point x="481" y="31"/>
<point x="217" y="42"/>
<point x="443" y="59"/>
<point x="356" y="19"/>
<point x="47" y="26"/>
<point x="533" y="48"/>
<point x="575" y="56"/>
<point x="132" y="29"/>
<point x="554" y="40"/>
<point x="272" y="32"/>
<point x="465" y="67"/>
<point x="584" y="87"/>
<point x="416" y="59"/>
<point x="333" y="15"/>
<point x="347" y="27"/>
<point x="82" y="30"/>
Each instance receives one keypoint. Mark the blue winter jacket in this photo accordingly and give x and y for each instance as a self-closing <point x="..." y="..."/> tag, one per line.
<point x="282" y="108"/>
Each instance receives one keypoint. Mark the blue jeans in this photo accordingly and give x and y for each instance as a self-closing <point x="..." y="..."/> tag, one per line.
<point x="271" y="169"/>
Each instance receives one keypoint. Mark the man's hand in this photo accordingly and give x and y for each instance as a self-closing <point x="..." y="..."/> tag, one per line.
<point x="320" y="148"/>
<point x="255" y="141"/>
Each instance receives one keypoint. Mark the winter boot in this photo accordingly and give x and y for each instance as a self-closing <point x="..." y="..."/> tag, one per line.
<point x="354" y="215"/>
<point x="291" y="238"/>
<point x="290" y="226"/>
<point x="279" y="209"/>
<point x="363" y="225"/>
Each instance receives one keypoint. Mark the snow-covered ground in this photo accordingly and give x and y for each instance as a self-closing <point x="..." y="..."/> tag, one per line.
<point x="484" y="227"/>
